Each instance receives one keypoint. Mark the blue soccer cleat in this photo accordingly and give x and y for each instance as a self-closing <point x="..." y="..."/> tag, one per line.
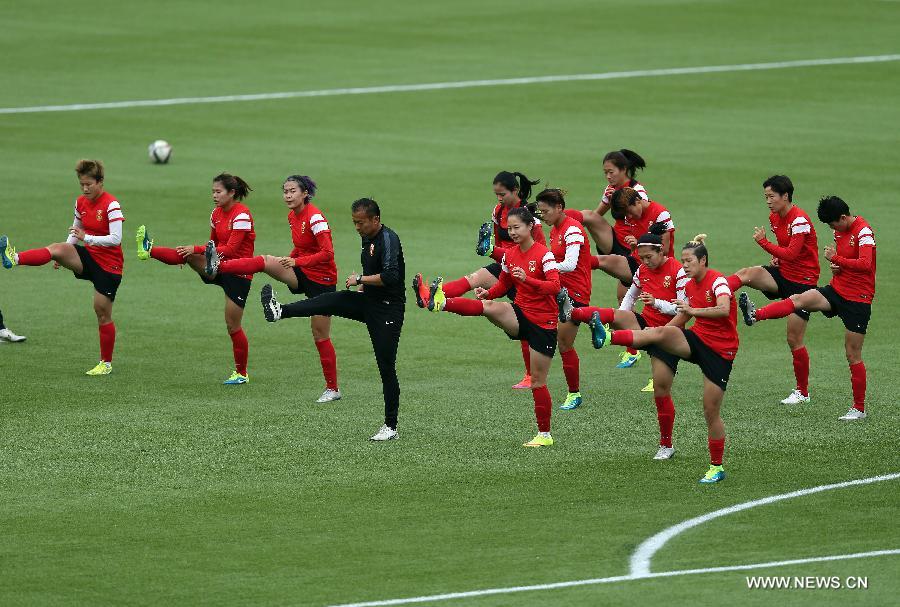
<point x="599" y="331"/>
<point x="485" y="244"/>
<point x="7" y="252"/>
<point x="713" y="475"/>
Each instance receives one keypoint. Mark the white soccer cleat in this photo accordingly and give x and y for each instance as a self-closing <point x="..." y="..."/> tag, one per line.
<point x="795" y="398"/>
<point x="271" y="307"/>
<point x="7" y="335"/>
<point x="329" y="395"/>
<point x="385" y="433"/>
<point x="665" y="453"/>
<point x="852" y="415"/>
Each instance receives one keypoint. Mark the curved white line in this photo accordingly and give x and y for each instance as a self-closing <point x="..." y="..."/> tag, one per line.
<point x="640" y="559"/>
<point x="463" y="84"/>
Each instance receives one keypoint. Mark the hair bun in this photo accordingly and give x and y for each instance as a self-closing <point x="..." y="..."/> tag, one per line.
<point x="699" y="238"/>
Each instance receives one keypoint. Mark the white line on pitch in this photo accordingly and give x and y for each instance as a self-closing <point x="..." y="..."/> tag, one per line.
<point x="463" y="84"/>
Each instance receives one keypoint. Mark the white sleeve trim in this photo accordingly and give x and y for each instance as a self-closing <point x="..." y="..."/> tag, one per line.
<point x="320" y="226"/>
<point x="630" y="296"/>
<point x="571" y="260"/>
<point x="503" y="266"/>
<point x="866" y="240"/>
<point x="243" y="226"/>
<point x="315" y="218"/>
<point x="864" y="232"/>
<point x="803" y="228"/>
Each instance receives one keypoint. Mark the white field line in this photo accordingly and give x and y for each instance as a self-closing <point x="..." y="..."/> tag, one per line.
<point x="462" y="84"/>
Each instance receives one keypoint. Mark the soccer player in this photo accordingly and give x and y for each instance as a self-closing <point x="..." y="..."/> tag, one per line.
<point x="711" y="343"/>
<point x="570" y="248"/>
<point x="659" y="282"/>
<point x="794" y="269"/>
<point x="98" y="225"/>
<point x="309" y="268"/>
<point x="232" y="236"/>
<point x="378" y="303"/>
<point x="848" y="296"/>
<point x="530" y="268"/>
<point x="7" y="335"/>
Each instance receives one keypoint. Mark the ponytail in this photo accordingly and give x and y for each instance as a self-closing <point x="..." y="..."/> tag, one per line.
<point x="653" y="237"/>
<point x="698" y="246"/>
<point x="552" y="196"/>
<point x="626" y="160"/>
<point x="516" y="181"/>
<point x="524" y="213"/>
<point x="233" y="183"/>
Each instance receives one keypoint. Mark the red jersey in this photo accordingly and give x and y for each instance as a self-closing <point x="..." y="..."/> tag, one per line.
<point x="667" y="282"/>
<point x="720" y="334"/>
<point x="95" y="217"/>
<point x="797" y="250"/>
<point x="856" y="258"/>
<point x="574" y="273"/>
<point x="654" y="213"/>
<point x="500" y="217"/>
<point x="536" y="297"/>
<point x="620" y="228"/>
<point x="232" y="232"/>
<point x="313" y="249"/>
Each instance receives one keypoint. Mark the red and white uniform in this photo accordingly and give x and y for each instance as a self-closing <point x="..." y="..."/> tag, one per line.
<point x="797" y="246"/>
<point x="96" y="216"/>
<point x="654" y="213"/>
<point x="856" y="258"/>
<point x="569" y="244"/>
<point x="720" y="334"/>
<point x="313" y="249"/>
<point x="232" y="232"/>
<point x="666" y="284"/>
<point x="500" y="217"/>
<point x="620" y="228"/>
<point x="536" y="297"/>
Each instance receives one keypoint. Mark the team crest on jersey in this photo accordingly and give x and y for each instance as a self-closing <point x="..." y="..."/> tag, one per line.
<point x="852" y="239"/>
<point x="560" y="240"/>
<point x="99" y="215"/>
<point x="667" y="281"/>
<point x="372" y="250"/>
<point x="303" y="228"/>
<point x="532" y="265"/>
<point x="709" y="297"/>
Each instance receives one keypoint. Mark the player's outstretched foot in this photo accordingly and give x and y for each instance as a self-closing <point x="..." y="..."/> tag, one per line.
<point x="795" y="398"/>
<point x="541" y="439"/>
<point x="384" y="433"/>
<point x="212" y="259"/>
<point x="329" y="395"/>
<point x="665" y="452"/>
<point x="7" y="252"/>
<point x="524" y="383"/>
<point x="485" y="244"/>
<point x="628" y="360"/>
<point x="7" y="335"/>
<point x="421" y="290"/>
<point x="236" y="379"/>
<point x="747" y="308"/>
<point x="852" y="415"/>
<point x="144" y="243"/>
<point x="436" y="297"/>
<point x="271" y="307"/>
<point x="599" y="331"/>
<point x="564" y="305"/>
<point x="649" y="386"/>
<point x="102" y="368"/>
<point x="573" y="401"/>
<point x="713" y="475"/>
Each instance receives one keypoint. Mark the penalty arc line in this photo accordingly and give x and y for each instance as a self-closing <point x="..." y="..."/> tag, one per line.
<point x="462" y="84"/>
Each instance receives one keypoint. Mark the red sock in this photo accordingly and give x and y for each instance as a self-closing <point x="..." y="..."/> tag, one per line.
<point x="107" y="341"/>
<point x="245" y="265"/>
<point x="858" y="383"/>
<point x="167" y="256"/>
<point x="584" y="314"/>
<point x="570" y="369"/>
<point x="526" y="356"/>
<point x="631" y="351"/>
<point x="716" y="448"/>
<point x="328" y="358"/>
<point x="457" y="287"/>
<point x="543" y="405"/>
<point x="734" y="283"/>
<point x="801" y="369"/>
<point x="464" y="307"/>
<point x="34" y="257"/>
<point x="779" y="309"/>
<point x="241" y="348"/>
<point x="665" y="413"/>
<point x="623" y="337"/>
<point x="595" y="262"/>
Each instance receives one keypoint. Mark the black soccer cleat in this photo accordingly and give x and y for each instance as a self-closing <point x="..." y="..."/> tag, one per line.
<point x="564" y="304"/>
<point x="747" y="308"/>
<point x="423" y="293"/>
<point x="212" y="259"/>
<point x="271" y="307"/>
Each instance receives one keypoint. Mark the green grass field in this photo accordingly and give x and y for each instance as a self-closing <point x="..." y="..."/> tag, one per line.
<point x="158" y="485"/>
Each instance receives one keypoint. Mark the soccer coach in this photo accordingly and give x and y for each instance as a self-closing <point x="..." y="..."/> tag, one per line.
<point x="379" y="303"/>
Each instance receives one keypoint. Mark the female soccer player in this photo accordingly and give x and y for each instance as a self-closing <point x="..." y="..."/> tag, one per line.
<point x="711" y="343"/>
<point x="309" y="268"/>
<point x="98" y="224"/>
<point x="530" y="268"/>
<point x="794" y="269"/>
<point x="232" y="235"/>
<point x="849" y="295"/>
<point x="658" y="283"/>
<point x="7" y="335"/>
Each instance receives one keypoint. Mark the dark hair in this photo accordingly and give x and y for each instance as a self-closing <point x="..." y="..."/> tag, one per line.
<point x="698" y="246"/>
<point x="653" y="237"/>
<point x="233" y="183"/>
<point x="306" y="184"/>
<point x="831" y="208"/>
<point x="552" y="196"/>
<point x="90" y="168"/>
<point x="369" y="206"/>
<point x="781" y="185"/>
<point x="516" y="181"/>
<point x="522" y="213"/>
<point x="626" y="160"/>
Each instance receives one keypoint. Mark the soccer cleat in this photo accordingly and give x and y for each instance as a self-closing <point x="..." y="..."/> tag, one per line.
<point x="599" y="331"/>
<point x="423" y="293"/>
<point x="485" y="244"/>
<point x="573" y="401"/>
<point x="7" y="252"/>
<point x="852" y="415"/>
<point x="524" y="383"/>
<point x="436" y="297"/>
<point x="747" y="308"/>
<point x="541" y="439"/>
<point x="329" y="395"/>
<point x="628" y="360"/>
<point x="713" y="475"/>
<point x="271" y="307"/>
<point x="102" y="368"/>
<point x="795" y="398"/>
<point x="384" y="433"/>
<point x="7" y="335"/>
<point x="665" y="453"/>
<point x="212" y="258"/>
<point x="649" y="386"/>
<point x="564" y="305"/>
<point x="236" y="379"/>
<point x="144" y="243"/>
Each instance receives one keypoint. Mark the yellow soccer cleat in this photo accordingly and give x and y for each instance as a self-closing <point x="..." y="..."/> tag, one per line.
<point x="102" y="368"/>
<point x="144" y="243"/>
<point x="541" y="439"/>
<point x="648" y="387"/>
<point x="236" y="379"/>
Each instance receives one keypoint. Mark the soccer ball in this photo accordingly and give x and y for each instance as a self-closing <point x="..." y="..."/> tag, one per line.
<point x="160" y="151"/>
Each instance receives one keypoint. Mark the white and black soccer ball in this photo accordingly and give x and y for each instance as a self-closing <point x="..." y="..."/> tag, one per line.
<point x="160" y="151"/>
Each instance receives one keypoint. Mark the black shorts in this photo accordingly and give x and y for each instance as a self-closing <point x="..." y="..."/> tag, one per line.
<point x="855" y="314"/>
<point x="309" y="287"/>
<point x="105" y="283"/>
<point x="236" y="288"/>
<point x="539" y="339"/>
<point x="495" y="269"/>
<point x="655" y="351"/>
<point x="715" y="368"/>
<point x="786" y="288"/>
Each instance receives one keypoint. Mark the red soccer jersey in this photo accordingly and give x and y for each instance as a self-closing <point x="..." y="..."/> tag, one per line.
<point x="500" y="218"/>
<point x="577" y="279"/>
<point x="666" y="282"/>
<point x="654" y="213"/>
<point x="620" y="228"/>
<point x="720" y="334"/>
<point x="313" y="249"/>
<point x="856" y="258"/>
<point x="797" y="249"/>
<point x="232" y="232"/>
<point x="536" y="297"/>
<point x="95" y="217"/>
